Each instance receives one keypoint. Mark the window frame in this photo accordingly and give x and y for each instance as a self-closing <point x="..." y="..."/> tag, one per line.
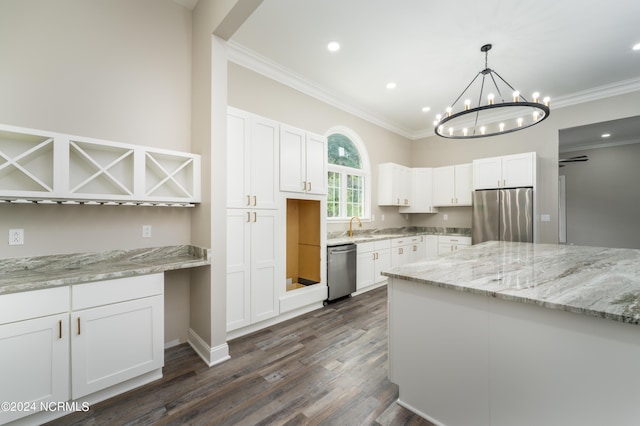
<point x="364" y="172"/>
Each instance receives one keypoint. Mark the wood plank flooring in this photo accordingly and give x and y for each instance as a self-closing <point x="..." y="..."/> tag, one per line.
<point x="328" y="367"/>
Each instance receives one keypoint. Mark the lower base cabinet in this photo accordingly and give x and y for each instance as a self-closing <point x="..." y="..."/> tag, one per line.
<point x="448" y="244"/>
<point x="373" y="258"/>
<point x="101" y="334"/>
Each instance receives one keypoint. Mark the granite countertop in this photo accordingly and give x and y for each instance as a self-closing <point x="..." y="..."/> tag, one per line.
<point x="363" y="236"/>
<point x="35" y="273"/>
<point x="595" y="281"/>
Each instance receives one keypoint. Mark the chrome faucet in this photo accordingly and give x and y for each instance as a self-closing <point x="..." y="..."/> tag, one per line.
<point x="351" y="225"/>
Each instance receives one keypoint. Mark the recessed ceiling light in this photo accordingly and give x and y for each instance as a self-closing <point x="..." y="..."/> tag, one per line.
<point x="426" y="109"/>
<point x="391" y="85"/>
<point x="636" y="47"/>
<point x="606" y="135"/>
<point x="334" y="46"/>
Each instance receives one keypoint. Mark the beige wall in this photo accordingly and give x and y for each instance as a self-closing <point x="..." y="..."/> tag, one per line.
<point x="111" y="69"/>
<point x="260" y="95"/>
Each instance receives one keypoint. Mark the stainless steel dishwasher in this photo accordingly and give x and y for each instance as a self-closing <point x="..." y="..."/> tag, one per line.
<point x="341" y="270"/>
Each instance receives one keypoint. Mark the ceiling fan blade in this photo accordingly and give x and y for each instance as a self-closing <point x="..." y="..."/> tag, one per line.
<point x="574" y="159"/>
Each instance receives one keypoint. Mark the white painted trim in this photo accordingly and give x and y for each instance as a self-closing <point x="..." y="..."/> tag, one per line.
<point x="211" y="356"/>
<point x="418" y="412"/>
<point x="596" y="146"/>
<point x="255" y="62"/>
<point x="562" y="210"/>
<point x="262" y="65"/>
<point x="268" y="323"/>
<point x="369" y="288"/>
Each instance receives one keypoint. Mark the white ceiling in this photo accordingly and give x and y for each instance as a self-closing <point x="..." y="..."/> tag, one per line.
<point x="431" y="49"/>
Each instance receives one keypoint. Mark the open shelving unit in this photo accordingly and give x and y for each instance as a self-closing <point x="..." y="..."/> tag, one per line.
<point x="54" y="168"/>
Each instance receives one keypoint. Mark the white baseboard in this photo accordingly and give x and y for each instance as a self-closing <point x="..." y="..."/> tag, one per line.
<point x="275" y="320"/>
<point x="211" y="356"/>
<point x="418" y="412"/>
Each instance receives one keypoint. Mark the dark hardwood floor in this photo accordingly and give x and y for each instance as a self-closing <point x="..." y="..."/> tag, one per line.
<point x="328" y="367"/>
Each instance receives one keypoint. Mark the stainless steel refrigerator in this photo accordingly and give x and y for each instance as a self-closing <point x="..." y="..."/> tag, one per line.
<point x="502" y="215"/>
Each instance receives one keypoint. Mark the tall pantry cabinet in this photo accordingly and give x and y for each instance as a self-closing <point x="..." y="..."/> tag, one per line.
<point x="252" y="201"/>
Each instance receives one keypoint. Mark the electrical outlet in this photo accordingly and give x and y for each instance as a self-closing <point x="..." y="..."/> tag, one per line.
<point x="146" y="231"/>
<point x="382" y="217"/>
<point x="16" y="237"/>
<point x="545" y="218"/>
<point x="445" y="217"/>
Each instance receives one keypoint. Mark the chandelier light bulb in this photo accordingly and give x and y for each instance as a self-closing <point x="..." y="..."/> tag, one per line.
<point x="464" y="131"/>
<point x="467" y="104"/>
<point x="491" y="96"/>
<point x="536" y="115"/>
<point x="536" y="97"/>
<point x="435" y="122"/>
<point x="450" y="131"/>
<point x="483" y="129"/>
<point x="547" y="101"/>
<point x="516" y="96"/>
<point x="520" y="122"/>
<point x="448" y="111"/>
<point x="440" y="129"/>
<point x="501" y="125"/>
<point x="438" y="117"/>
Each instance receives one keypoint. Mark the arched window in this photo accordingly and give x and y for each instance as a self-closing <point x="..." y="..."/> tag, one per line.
<point x="349" y="187"/>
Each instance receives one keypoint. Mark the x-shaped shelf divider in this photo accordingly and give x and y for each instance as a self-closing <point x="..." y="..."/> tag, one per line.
<point x="101" y="170"/>
<point x="14" y="162"/>
<point x="169" y="175"/>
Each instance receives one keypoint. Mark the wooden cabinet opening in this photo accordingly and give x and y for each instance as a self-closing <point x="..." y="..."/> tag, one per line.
<point x="303" y="243"/>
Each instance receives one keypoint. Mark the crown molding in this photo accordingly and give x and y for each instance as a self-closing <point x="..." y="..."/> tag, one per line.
<point x="247" y="58"/>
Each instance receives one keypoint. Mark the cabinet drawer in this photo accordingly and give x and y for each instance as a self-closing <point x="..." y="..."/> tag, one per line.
<point x="33" y="304"/>
<point x="99" y="293"/>
<point x="454" y="240"/>
<point x="382" y="245"/>
<point x="399" y="242"/>
<point x="365" y="247"/>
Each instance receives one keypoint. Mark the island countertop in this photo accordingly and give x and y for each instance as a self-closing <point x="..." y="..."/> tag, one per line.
<point x="35" y="273"/>
<point x="594" y="281"/>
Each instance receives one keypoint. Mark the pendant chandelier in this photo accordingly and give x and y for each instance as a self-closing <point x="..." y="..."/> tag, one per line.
<point x="493" y="115"/>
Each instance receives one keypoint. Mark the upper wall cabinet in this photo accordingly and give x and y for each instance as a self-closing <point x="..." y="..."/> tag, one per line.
<point x="452" y="185"/>
<point x="394" y="185"/>
<point x="303" y="161"/>
<point x="421" y="192"/>
<point x="49" y="167"/>
<point x="252" y="160"/>
<point x="505" y="172"/>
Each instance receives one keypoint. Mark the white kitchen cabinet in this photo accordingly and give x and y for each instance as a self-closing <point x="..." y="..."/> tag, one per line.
<point x="251" y="267"/>
<point x="452" y="185"/>
<point x="373" y="258"/>
<point x="401" y="251"/>
<point x="432" y="245"/>
<point x="421" y="192"/>
<point x="303" y="161"/>
<point x="34" y="349"/>
<point x="509" y="171"/>
<point x="394" y="185"/>
<point x="252" y="160"/>
<point x="447" y="244"/>
<point x="117" y="331"/>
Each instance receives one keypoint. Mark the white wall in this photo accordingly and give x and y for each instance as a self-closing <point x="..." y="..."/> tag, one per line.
<point x="603" y="201"/>
<point x="110" y="69"/>
<point x="256" y="93"/>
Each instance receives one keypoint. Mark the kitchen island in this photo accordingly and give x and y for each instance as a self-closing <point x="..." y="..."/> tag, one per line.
<point x="518" y="334"/>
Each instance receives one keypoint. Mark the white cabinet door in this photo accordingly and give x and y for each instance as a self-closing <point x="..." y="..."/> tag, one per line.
<point x="292" y="159"/>
<point x="444" y="186"/>
<point x="487" y="173"/>
<point x="518" y="170"/>
<point x="264" y="157"/>
<point x="394" y="185"/>
<point x="463" y="184"/>
<point x="114" y="343"/>
<point x="238" y="268"/>
<point x="252" y="160"/>
<point x="238" y="168"/>
<point x="303" y="161"/>
<point x="365" y="269"/>
<point x="418" y="248"/>
<point x="316" y="164"/>
<point x="432" y="246"/>
<point x="264" y="297"/>
<point x="421" y="192"/>
<point x="34" y="363"/>
<point x="382" y="263"/>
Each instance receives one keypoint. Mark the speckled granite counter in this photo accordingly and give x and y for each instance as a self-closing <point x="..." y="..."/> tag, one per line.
<point x="600" y="282"/>
<point x="34" y="273"/>
<point x="363" y="236"/>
